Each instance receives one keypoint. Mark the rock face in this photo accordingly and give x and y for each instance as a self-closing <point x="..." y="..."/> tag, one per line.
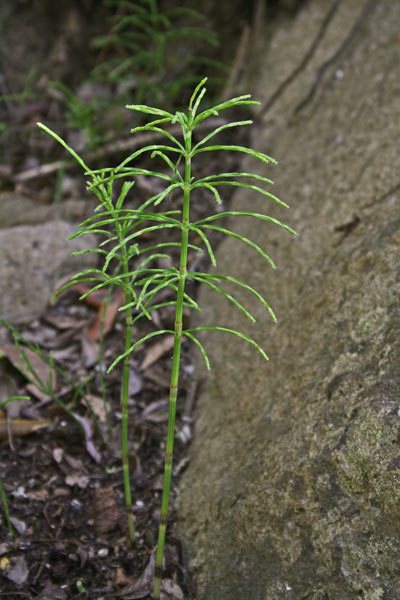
<point x="294" y="487"/>
<point x="17" y="210"/>
<point x="33" y="257"/>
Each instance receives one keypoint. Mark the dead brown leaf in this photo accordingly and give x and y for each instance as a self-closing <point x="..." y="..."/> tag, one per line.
<point x="97" y="405"/>
<point x="105" y="510"/>
<point x="157" y="350"/>
<point x="64" y="321"/>
<point x="142" y="585"/>
<point x="75" y="463"/>
<point x="159" y="376"/>
<point x="90" y="350"/>
<point x="60" y="492"/>
<point x="135" y="380"/>
<point x="82" y="481"/>
<point x="44" y="398"/>
<point x="41" y="495"/>
<point x="40" y="367"/>
<point x="21" y="427"/>
<point x="121" y="578"/>
<point x="156" y="412"/>
<point x="18" y="571"/>
<point x="58" y="455"/>
<point x="87" y="429"/>
<point x="170" y="590"/>
<point x="106" y="313"/>
<point x="8" y="387"/>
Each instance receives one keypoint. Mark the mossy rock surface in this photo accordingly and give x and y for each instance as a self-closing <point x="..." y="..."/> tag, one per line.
<point x="293" y="491"/>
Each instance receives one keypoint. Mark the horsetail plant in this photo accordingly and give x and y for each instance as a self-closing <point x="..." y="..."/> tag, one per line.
<point x="124" y="229"/>
<point x="146" y="35"/>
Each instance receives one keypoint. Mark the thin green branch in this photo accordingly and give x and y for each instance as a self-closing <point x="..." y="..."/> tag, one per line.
<point x="246" y="286"/>
<point x="256" y="188"/>
<point x="200" y="346"/>
<point x="136" y="345"/>
<point x="228" y="296"/>
<point x="242" y="239"/>
<point x="233" y="332"/>
<point x="218" y="130"/>
<point x="263" y="157"/>
<point x="207" y="244"/>
<point x="241" y="213"/>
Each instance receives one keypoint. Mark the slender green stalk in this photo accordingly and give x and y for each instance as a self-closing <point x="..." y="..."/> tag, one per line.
<point x="6" y="510"/>
<point x="103" y="382"/>
<point x="124" y="402"/>
<point x="175" y="371"/>
<point x="124" y="407"/>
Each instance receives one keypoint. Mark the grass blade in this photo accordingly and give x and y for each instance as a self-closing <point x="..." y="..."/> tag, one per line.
<point x="263" y="157"/>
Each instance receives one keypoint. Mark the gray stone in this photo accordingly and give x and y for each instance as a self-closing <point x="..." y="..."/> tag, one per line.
<point x="32" y="260"/>
<point x="16" y="209"/>
<point x="293" y="491"/>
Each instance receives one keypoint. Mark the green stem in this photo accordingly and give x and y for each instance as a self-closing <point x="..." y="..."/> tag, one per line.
<point x="174" y="373"/>
<point x="124" y="409"/>
<point x="6" y="510"/>
<point x="103" y="382"/>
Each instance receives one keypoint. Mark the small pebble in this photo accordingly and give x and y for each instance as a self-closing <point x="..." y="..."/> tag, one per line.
<point x="185" y="435"/>
<point x="19" y="492"/>
<point x="19" y="525"/>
